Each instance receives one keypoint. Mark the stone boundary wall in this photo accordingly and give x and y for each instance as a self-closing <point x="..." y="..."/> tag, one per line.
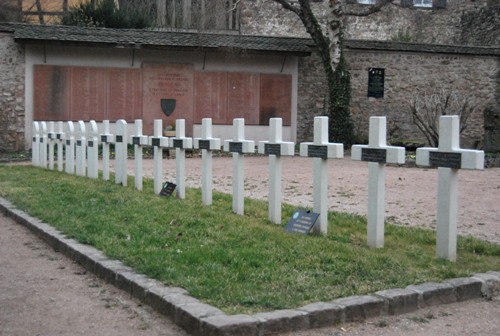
<point x="481" y="28"/>
<point x="12" y="107"/>
<point x="409" y="69"/>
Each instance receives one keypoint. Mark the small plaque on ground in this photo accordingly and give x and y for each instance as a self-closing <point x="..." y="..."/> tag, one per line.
<point x="155" y="142"/>
<point x="178" y="143"/>
<point x="204" y="144"/>
<point x="136" y="141"/>
<point x="236" y="147"/>
<point x="373" y="155"/>
<point x="302" y="222"/>
<point x="445" y="160"/>
<point x="272" y="149"/>
<point x="316" y="151"/>
<point x="167" y="189"/>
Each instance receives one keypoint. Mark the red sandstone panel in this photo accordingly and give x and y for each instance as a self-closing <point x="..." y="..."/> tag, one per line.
<point x="210" y="97"/>
<point x="243" y="97"/>
<point x="275" y="98"/>
<point x="168" y="81"/>
<point x="124" y="88"/>
<point x="51" y="92"/>
<point x="88" y="93"/>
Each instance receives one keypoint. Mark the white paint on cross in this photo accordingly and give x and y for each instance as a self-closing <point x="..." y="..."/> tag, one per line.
<point x="106" y="139"/>
<point x="138" y="140"/>
<point x="81" y="150"/>
<point x="238" y="146"/>
<point x="180" y="143"/>
<point x="207" y="144"/>
<point x="70" y="147"/>
<point x="60" y="143"/>
<point x="448" y="157"/>
<point x="158" y="141"/>
<point x="377" y="153"/>
<point x="121" y="152"/>
<point x="43" y="144"/>
<point x="35" y="145"/>
<point x="93" y="150"/>
<point x="321" y="150"/>
<point x="275" y="148"/>
<point x="51" y="140"/>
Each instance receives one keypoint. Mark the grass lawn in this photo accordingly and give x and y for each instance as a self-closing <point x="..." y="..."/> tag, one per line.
<point x="240" y="264"/>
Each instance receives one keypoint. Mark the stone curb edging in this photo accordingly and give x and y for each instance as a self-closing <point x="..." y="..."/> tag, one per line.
<point x="200" y="319"/>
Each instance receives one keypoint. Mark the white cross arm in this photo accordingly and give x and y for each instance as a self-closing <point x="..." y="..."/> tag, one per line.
<point x="239" y="146"/>
<point x="381" y="154"/>
<point x="107" y="138"/>
<point x="182" y="143"/>
<point x="141" y="140"/>
<point x="280" y="148"/>
<point x="207" y="143"/>
<point x="457" y="158"/>
<point x="158" y="141"/>
<point x="323" y="151"/>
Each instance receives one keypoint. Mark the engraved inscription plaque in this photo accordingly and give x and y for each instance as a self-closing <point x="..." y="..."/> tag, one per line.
<point x="78" y="142"/>
<point x="376" y="82"/>
<point x="373" y="155"/>
<point x="178" y="143"/>
<point x="68" y="142"/>
<point x="50" y="136"/>
<point x="119" y="138"/>
<point x="58" y="136"/>
<point x="155" y="142"/>
<point x="272" y="149"/>
<point x="301" y="222"/>
<point x="316" y="151"/>
<point x="204" y="144"/>
<point x="167" y="189"/>
<point x="445" y="160"/>
<point x="236" y="147"/>
<point x="136" y="141"/>
<point x="34" y="139"/>
<point x="91" y="144"/>
<point x="104" y="138"/>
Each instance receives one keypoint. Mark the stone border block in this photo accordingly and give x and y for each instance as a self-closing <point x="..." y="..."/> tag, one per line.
<point x="155" y="298"/>
<point x="282" y="321"/>
<point x="433" y="293"/>
<point x="190" y="316"/>
<point x="490" y="284"/>
<point x="399" y="300"/>
<point x="322" y="314"/>
<point x="466" y="288"/>
<point x="359" y="308"/>
<point x="233" y="325"/>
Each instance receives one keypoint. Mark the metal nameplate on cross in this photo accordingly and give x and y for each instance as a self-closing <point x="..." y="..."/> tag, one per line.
<point x="448" y="158"/>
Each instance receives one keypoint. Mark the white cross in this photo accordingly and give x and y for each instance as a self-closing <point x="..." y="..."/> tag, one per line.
<point x="121" y="152"/>
<point x="238" y="146"/>
<point x="448" y="157"/>
<point x="35" y="146"/>
<point x="275" y="148"/>
<point x="51" y="136"/>
<point x="158" y="141"/>
<point x="70" y="148"/>
<point x="106" y="138"/>
<point x="138" y="140"/>
<point x="60" y="142"/>
<point x="43" y="144"/>
<point x="206" y="143"/>
<point x="93" y="151"/>
<point x="321" y="150"/>
<point x="81" y="150"/>
<point x="377" y="153"/>
<point x="180" y="143"/>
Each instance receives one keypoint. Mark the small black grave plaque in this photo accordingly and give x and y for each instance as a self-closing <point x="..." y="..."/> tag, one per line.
<point x="155" y="142"/>
<point x="34" y="139"/>
<point x="91" y="143"/>
<point x="136" y="141"/>
<point x="272" y="149"/>
<point x="41" y="140"/>
<point x="119" y="138"/>
<point x="51" y="136"/>
<point x="68" y="142"/>
<point x="104" y="138"/>
<point x="204" y="144"/>
<point x="316" y="151"/>
<point x="376" y="82"/>
<point x="236" y="147"/>
<point x="167" y="189"/>
<point x="178" y="143"/>
<point x="58" y="136"/>
<point x="373" y="155"/>
<point x="445" y="159"/>
<point x="301" y="222"/>
<point x="78" y="142"/>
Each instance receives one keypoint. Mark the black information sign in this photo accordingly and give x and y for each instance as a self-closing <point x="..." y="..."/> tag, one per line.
<point x="376" y="82"/>
<point x="301" y="222"/>
<point x="167" y="189"/>
<point x="178" y="143"/>
<point x="34" y="139"/>
<point x="136" y="141"/>
<point x="58" y="136"/>
<point x="68" y="142"/>
<point x="50" y="136"/>
<point x="236" y="147"/>
<point x="155" y="142"/>
<point x="316" y="151"/>
<point x="272" y="149"/>
<point x="373" y="155"/>
<point x="41" y="140"/>
<point x="119" y="138"/>
<point x="78" y="142"/>
<point x="204" y="144"/>
<point x="445" y="159"/>
<point x="91" y="143"/>
<point x="104" y="138"/>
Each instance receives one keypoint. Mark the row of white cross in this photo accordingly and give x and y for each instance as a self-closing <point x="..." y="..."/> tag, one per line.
<point x="449" y="157"/>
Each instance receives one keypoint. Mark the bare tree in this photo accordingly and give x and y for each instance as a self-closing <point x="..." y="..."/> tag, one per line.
<point x="427" y="108"/>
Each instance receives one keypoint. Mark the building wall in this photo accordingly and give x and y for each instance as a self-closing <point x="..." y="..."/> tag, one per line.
<point x="11" y="94"/>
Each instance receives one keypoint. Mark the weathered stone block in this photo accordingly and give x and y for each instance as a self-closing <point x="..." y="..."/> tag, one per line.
<point x="189" y="316"/>
<point x="234" y="325"/>
<point x="490" y="284"/>
<point x="322" y="314"/>
<point x="160" y="298"/>
<point x="282" y="321"/>
<point x="399" y="300"/>
<point x="466" y="288"/>
<point x="359" y="308"/>
<point x="431" y="293"/>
